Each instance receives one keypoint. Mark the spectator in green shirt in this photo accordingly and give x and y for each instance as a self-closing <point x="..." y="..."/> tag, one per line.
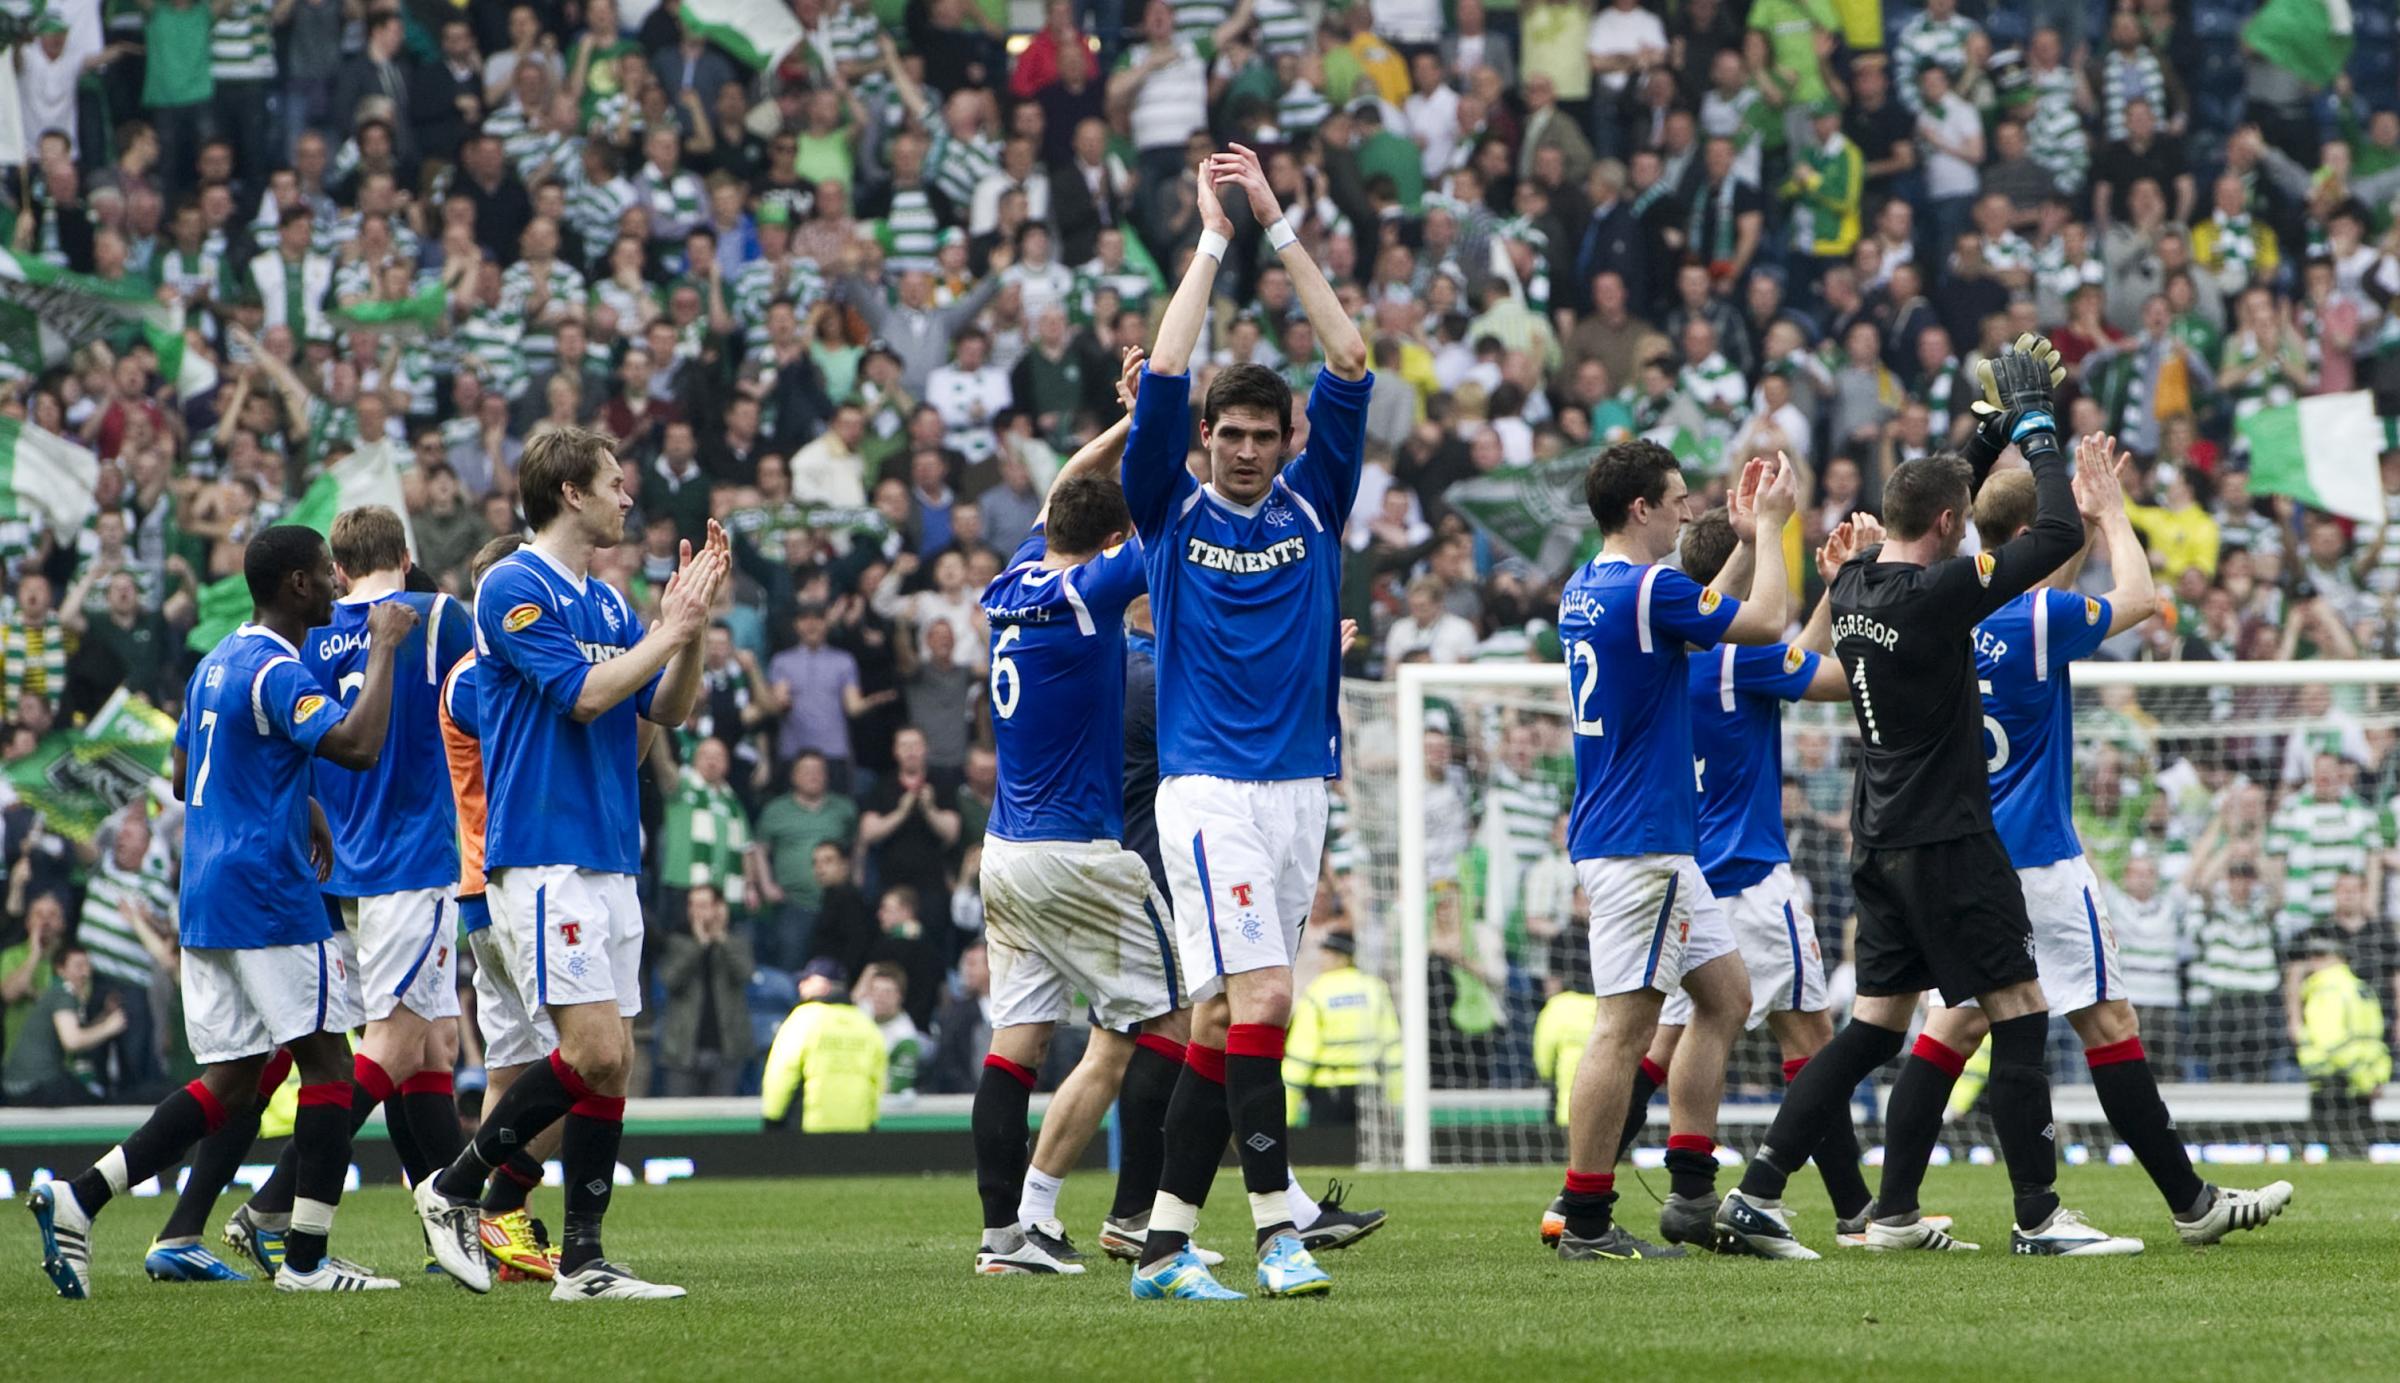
<point x="179" y="86"/>
<point x="25" y="971"/>
<point x="56" y="1058"/>
<point x="782" y="867"/>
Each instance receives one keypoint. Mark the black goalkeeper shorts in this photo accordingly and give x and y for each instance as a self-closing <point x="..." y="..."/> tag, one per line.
<point x="1947" y="916"/>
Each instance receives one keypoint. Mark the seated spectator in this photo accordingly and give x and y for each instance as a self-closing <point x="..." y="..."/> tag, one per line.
<point x="57" y="1057"/>
<point x="962" y="1029"/>
<point x="881" y="993"/>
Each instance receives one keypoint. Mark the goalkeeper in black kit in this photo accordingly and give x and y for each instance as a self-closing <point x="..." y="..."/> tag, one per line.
<point x="1939" y="906"/>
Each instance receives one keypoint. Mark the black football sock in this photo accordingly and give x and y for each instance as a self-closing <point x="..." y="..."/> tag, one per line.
<point x="2019" y="1095"/>
<point x="1588" y="1203"/>
<point x="1142" y="1122"/>
<point x="2129" y="1095"/>
<point x="512" y="1182"/>
<point x="429" y="1105"/>
<point x="537" y="1099"/>
<point x="179" y="1121"/>
<point x="1912" y="1124"/>
<point x="1818" y="1098"/>
<point x="1199" y="1124"/>
<point x="1254" y="1098"/>
<point x="1002" y="1143"/>
<point x="595" y="1127"/>
<point x="214" y="1163"/>
<point x="321" y="1140"/>
<point x="1837" y="1157"/>
<point x="370" y="1088"/>
<point x="1646" y="1082"/>
<point x="1692" y="1165"/>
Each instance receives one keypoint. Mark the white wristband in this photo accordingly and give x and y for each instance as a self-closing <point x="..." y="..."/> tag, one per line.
<point x="1281" y="235"/>
<point x="1213" y="245"/>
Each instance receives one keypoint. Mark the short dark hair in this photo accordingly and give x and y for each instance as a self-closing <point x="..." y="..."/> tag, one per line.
<point x="369" y="539"/>
<point x="1625" y="472"/>
<point x="1920" y="490"/>
<point x="488" y="556"/>
<point x="1707" y="544"/>
<point x="275" y="555"/>
<point x="554" y="459"/>
<point x="1248" y="386"/>
<point x="1084" y="511"/>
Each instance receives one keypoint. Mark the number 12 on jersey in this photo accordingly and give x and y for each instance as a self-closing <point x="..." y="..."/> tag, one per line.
<point x="1583" y="669"/>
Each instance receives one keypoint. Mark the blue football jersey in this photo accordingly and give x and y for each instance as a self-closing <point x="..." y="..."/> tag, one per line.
<point x="1624" y="628"/>
<point x="394" y="827"/>
<point x="1737" y="757"/>
<point x="1058" y="693"/>
<point x="252" y="717"/>
<point x="1245" y="598"/>
<point x="2021" y="657"/>
<point x="560" y="792"/>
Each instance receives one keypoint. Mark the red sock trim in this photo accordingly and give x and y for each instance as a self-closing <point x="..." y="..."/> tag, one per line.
<point x="1692" y="1142"/>
<point x="998" y="1062"/>
<point x="212" y="1109"/>
<point x="429" y="1083"/>
<point x="276" y="1071"/>
<point x="1791" y="1068"/>
<point x="1656" y="1073"/>
<point x="335" y="1093"/>
<point x="510" y="1171"/>
<point x="567" y="1077"/>
<point x="1208" y="1063"/>
<point x="1166" y="1047"/>
<point x="608" y="1109"/>
<point x="2128" y="1050"/>
<point x="1955" y="1063"/>
<point x="1254" y="1039"/>
<point x="1591" y="1183"/>
<point x="371" y="1077"/>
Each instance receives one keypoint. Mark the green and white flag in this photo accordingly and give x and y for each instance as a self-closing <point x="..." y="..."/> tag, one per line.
<point x="363" y="477"/>
<point x="757" y="32"/>
<point x="1535" y="513"/>
<point x="43" y="473"/>
<point x="403" y="319"/>
<point x="76" y="778"/>
<point x="2311" y="39"/>
<point x="2324" y="451"/>
<point x="72" y="308"/>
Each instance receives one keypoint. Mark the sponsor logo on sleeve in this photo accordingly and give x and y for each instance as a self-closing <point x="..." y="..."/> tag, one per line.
<point x="2091" y="610"/>
<point x="520" y="616"/>
<point x="305" y="707"/>
<point x="1793" y="658"/>
<point x="1709" y="600"/>
<point x="1985" y="565"/>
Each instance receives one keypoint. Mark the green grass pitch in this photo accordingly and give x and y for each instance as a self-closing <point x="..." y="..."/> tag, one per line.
<point x="869" y="1279"/>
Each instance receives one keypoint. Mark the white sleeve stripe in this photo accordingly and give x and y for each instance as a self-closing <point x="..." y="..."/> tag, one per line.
<point x="1304" y="506"/>
<point x="1641" y="609"/>
<point x="2041" y="636"/>
<point x="1725" y="676"/>
<point x="1189" y="501"/>
<point x="258" y="691"/>
<point x="433" y="642"/>
<point x="1083" y="613"/>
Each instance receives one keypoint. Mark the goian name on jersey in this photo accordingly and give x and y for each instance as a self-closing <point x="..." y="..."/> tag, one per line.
<point x="2021" y="657"/>
<point x="558" y="791"/>
<point x="252" y="717"/>
<point x="1737" y="697"/>
<point x="1624" y="628"/>
<point x="1058" y="693"/>
<point x="394" y="828"/>
<point x="1245" y="597"/>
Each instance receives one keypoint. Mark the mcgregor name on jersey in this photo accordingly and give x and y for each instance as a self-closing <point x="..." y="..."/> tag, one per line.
<point x="1215" y="558"/>
<point x="1873" y="631"/>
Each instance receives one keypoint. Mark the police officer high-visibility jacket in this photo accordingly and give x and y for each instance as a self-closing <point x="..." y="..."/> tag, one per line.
<point x="1559" y="1037"/>
<point x="831" y="1056"/>
<point x="1345" y="1032"/>
<point x="2341" y="1032"/>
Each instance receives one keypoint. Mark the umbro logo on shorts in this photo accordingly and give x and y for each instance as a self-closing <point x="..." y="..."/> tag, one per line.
<point x="1259" y="1142"/>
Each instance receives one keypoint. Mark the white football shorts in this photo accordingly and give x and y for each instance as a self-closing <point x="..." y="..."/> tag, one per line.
<point x="1778" y="942"/>
<point x="1241" y="861"/>
<point x="242" y="1003"/>
<point x="574" y="935"/>
<point x="1653" y="921"/>
<point x="512" y="1036"/>
<point x="1063" y="918"/>
<point x="407" y="952"/>
<point x="2074" y="943"/>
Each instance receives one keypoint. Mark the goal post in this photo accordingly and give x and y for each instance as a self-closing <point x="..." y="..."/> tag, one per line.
<point x="2207" y="755"/>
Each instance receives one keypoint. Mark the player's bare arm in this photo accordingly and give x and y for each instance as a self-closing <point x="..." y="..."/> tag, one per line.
<point x="1846" y="541"/>
<point x="1187" y="311"/>
<point x="1762" y="617"/>
<point x="356" y="741"/>
<point x="1345" y="349"/>
<point x="1741" y="511"/>
<point x="2100" y="495"/>
<point x="685" y="606"/>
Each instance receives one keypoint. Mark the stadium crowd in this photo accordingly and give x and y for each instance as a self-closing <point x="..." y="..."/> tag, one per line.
<point x="859" y="304"/>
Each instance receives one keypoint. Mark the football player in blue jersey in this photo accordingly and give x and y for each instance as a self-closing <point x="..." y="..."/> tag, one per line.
<point x="259" y="971"/>
<point x="1245" y="575"/>
<point x="1626" y="621"/>
<point x="564" y="671"/>
<point x="2022" y="655"/>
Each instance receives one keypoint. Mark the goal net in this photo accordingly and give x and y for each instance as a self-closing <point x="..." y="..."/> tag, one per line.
<point x="2238" y="815"/>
